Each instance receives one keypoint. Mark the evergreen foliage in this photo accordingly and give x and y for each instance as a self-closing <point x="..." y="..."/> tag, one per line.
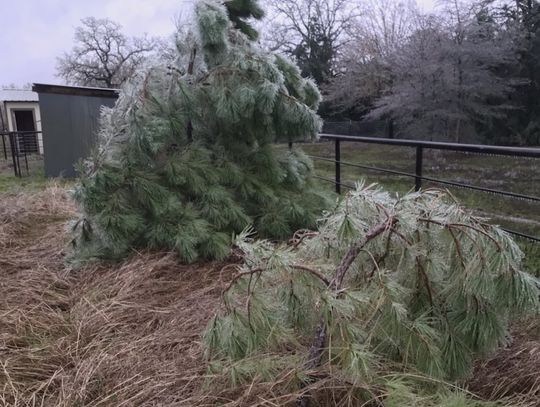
<point x="186" y="158"/>
<point x="316" y="53"/>
<point x="406" y="284"/>
<point x="240" y="10"/>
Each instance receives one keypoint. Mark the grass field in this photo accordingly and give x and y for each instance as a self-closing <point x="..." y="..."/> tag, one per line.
<point x="32" y="179"/>
<point x="519" y="175"/>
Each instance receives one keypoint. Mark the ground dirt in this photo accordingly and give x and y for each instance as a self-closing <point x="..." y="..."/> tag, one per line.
<point x="128" y="334"/>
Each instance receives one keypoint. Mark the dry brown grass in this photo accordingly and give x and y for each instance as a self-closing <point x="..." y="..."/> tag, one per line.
<point x="124" y="334"/>
<point x="513" y="371"/>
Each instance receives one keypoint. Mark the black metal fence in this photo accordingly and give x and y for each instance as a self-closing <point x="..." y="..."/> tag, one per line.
<point x="21" y="152"/>
<point x="375" y="128"/>
<point x="417" y="177"/>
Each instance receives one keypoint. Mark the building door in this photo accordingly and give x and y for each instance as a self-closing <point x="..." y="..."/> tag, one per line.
<point x="24" y="121"/>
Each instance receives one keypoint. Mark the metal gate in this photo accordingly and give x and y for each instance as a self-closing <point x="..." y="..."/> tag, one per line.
<point x="22" y="152"/>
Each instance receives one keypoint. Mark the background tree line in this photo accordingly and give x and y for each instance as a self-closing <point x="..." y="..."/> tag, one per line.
<point x="467" y="72"/>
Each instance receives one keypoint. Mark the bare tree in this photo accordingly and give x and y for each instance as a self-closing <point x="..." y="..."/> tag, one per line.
<point x="364" y="70"/>
<point x="103" y="55"/>
<point x="312" y="31"/>
<point x="445" y="81"/>
<point x="384" y="26"/>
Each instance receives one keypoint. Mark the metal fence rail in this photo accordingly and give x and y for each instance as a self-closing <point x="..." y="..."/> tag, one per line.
<point x="20" y="146"/>
<point x="418" y="176"/>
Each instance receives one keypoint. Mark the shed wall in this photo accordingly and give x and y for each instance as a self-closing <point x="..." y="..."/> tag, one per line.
<point x="70" y="124"/>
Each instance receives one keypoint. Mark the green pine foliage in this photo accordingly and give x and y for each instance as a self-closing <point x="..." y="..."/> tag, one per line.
<point x="429" y="288"/>
<point x="186" y="156"/>
<point x="241" y="10"/>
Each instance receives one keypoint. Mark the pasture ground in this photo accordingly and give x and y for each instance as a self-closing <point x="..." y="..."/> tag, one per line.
<point x="128" y="334"/>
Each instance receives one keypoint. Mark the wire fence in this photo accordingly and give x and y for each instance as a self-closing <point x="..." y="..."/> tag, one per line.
<point x="418" y="179"/>
<point x="21" y="152"/>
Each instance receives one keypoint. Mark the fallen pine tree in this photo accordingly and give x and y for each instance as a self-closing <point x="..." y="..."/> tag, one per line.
<point x="411" y="289"/>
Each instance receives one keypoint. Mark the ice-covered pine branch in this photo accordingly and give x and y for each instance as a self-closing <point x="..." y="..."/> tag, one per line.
<point x="186" y="157"/>
<point x="415" y="280"/>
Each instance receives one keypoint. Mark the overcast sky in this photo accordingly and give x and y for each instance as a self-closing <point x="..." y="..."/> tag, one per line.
<point x="35" y="32"/>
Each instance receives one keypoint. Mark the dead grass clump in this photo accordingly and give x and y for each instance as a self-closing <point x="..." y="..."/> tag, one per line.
<point x="124" y="334"/>
<point x="104" y="335"/>
<point x="22" y="214"/>
<point x="512" y="372"/>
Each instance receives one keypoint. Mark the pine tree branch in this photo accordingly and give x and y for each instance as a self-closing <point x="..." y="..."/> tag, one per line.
<point x="300" y="235"/>
<point x="462" y="225"/>
<point x="355" y="249"/>
<point x="370" y="278"/>
<point x="425" y="278"/>
<point x="475" y="243"/>
<point x="319" y="337"/>
<point x="458" y="248"/>
<point x="313" y="272"/>
<point x="422" y="271"/>
<point x="189" y="127"/>
<point x="400" y="235"/>
<point x="307" y="269"/>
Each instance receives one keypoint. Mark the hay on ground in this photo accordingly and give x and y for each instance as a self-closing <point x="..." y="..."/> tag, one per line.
<point x="514" y="371"/>
<point x="128" y="334"/>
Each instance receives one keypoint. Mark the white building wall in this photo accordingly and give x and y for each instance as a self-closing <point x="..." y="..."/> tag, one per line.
<point x="10" y="106"/>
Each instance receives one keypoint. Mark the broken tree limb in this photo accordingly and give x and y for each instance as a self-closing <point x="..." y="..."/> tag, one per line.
<point x="319" y="337"/>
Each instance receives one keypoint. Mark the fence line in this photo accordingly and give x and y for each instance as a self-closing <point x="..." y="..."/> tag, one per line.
<point x="418" y="176"/>
<point x="18" y="146"/>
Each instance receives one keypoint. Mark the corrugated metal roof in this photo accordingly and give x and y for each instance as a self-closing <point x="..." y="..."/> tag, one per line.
<point x="11" y="95"/>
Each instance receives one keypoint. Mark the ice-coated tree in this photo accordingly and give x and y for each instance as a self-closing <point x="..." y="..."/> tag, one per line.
<point x="102" y="55"/>
<point x="186" y="157"/>
<point x="364" y="69"/>
<point x="314" y="32"/>
<point x="387" y="287"/>
<point x="521" y="19"/>
<point x="445" y="78"/>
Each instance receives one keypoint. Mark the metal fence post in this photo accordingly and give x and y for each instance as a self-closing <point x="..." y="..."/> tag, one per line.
<point x="13" y="146"/>
<point x="418" y="172"/>
<point x="338" y="166"/>
<point x="4" y="145"/>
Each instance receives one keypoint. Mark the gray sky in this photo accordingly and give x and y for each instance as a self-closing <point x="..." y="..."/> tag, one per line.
<point x="35" y="32"/>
